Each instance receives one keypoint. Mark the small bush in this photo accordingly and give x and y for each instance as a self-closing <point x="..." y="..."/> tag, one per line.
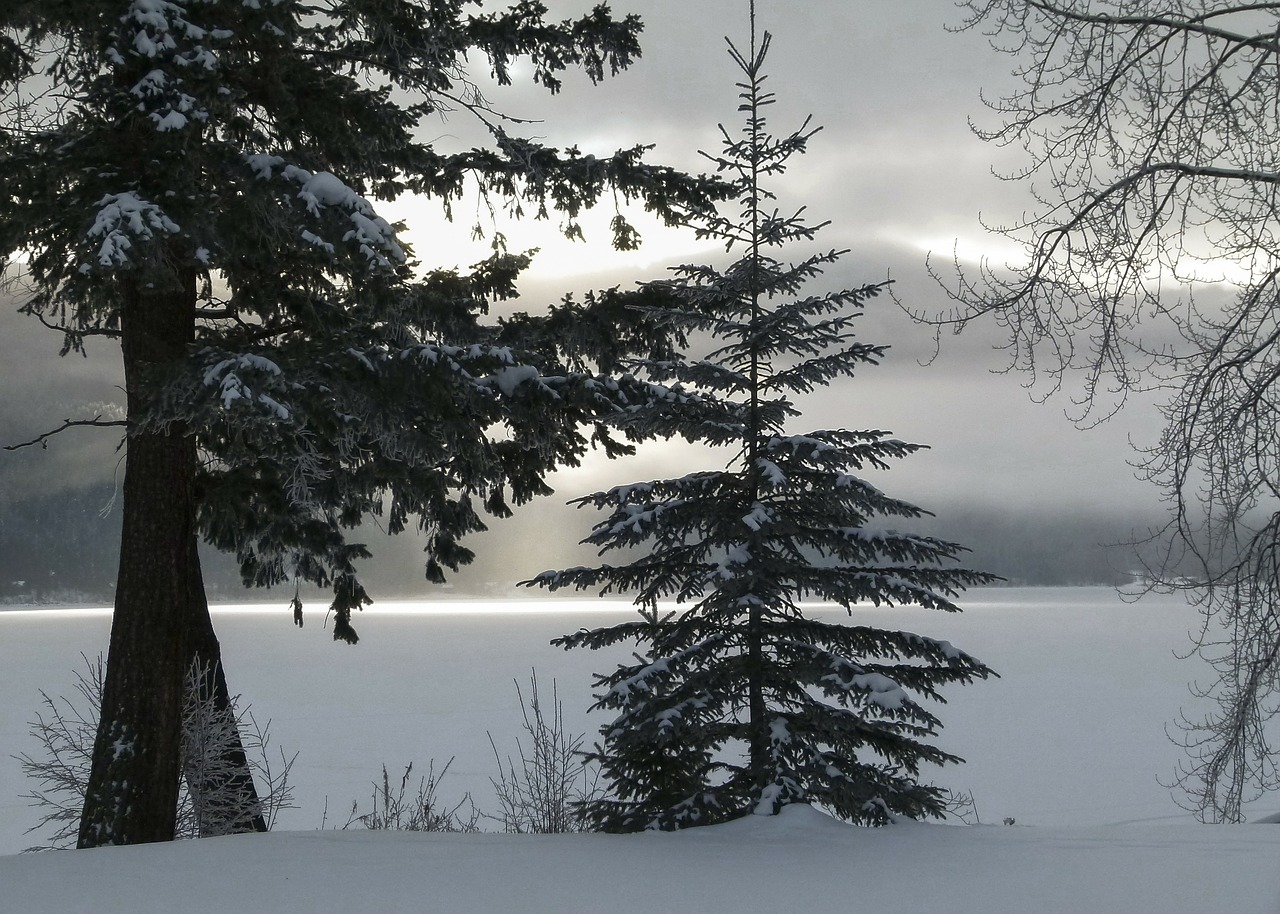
<point x="540" y="795"/>
<point x="961" y="806"/>
<point x="543" y="793"/>
<point x="402" y="809"/>
<point x="66" y="728"/>
<point x="223" y="807"/>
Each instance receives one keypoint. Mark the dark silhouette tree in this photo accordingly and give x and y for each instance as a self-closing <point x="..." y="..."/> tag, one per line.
<point x="195" y="179"/>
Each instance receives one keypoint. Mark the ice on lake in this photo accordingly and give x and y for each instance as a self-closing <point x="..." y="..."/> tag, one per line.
<point x="1073" y="733"/>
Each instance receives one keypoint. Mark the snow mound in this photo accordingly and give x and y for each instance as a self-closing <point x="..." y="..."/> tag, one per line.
<point x="798" y="861"/>
<point x="794" y="821"/>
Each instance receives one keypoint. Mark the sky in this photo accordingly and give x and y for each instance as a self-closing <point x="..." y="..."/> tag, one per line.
<point x="897" y="171"/>
<point x="900" y="174"/>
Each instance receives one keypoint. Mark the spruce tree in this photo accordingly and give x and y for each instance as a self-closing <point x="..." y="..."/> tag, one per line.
<point x="198" y="179"/>
<point x="746" y="701"/>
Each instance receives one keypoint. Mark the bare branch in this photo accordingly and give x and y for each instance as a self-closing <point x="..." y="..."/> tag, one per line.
<point x="42" y="440"/>
<point x="75" y="331"/>
<point x="1191" y="24"/>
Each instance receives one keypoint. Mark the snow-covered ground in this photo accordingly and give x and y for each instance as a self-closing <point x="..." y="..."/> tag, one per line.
<point x="800" y="862"/>
<point x="1069" y="742"/>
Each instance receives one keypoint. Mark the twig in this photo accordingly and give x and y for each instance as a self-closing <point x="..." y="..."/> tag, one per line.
<point x="42" y="440"/>
<point x="72" y="331"/>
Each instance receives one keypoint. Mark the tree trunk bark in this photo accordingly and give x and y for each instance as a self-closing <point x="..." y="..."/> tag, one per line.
<point x="757" y="730"/>
<point x="132" y="793"/>
<point x="131" y="797"/>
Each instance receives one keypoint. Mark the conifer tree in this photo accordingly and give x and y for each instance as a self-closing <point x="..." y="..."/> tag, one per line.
<point x="746" y="701"/>
<point x="198" y="179"/>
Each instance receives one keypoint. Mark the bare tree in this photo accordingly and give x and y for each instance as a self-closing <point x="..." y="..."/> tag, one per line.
<point x="223" y="747"/>
<point x="1153" y="262"/>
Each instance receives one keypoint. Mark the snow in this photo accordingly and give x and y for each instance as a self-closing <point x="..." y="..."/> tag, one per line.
<point x="147" y="47"/>
<point x="768" y="800"/>
<point x="884" y="691"/>
<point x="796" y="443"/>
<point x="151" y="84"/>
<point x="274" y="407"/>
<point x="173" y="120"/>
<point x="1069" y="741"/>
<point x="737" y="555"/>
<point x="636" y="518"/>
<point x="759" y="516"/>
<point x="120" y="216"/>
<point x="231" y="387"/>
<point x="772" y="473"/>
<point x="154" y="14"/>
<point x="640" y="681"/>
<point x="361" y="358"/>
<point x="797" y="861"/>
<point x="508" y="379"/>
<point x="372" y="235"/>
<point x="120" y="747"/>
<point x="261" y="164"/>
<point x="949" y="650"/>
<point x="325" y="189"/>
<point x="313" y="238"/>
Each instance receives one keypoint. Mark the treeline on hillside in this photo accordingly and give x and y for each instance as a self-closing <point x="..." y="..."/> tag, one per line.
<point x="1080" y="548"/>
<point x="62" y="547"/>
<point x="58" y="547"/>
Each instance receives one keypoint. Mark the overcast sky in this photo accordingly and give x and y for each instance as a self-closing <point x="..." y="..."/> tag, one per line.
<point x="899" y="173"/>
<point x="896" y="170"/>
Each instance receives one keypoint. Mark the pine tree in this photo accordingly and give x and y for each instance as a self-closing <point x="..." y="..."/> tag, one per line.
<point x="197" y="179"/>
<point x="746" y="702"/>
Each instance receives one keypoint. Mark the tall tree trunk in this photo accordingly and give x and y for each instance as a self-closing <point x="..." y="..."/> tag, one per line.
<point x="227" y="776"/>
<point x="132" y="792"/>
<point x="758" y="755"/>
<point x="161" y="625"/>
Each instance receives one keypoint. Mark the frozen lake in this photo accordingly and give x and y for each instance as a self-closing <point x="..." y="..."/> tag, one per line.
<point x="1073" y="733"/>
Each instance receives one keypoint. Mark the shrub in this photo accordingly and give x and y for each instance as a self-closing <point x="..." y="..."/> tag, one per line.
<point x="542" y="795"/>
<point x="400" y="809"/>
<point x="66" y="728"/>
